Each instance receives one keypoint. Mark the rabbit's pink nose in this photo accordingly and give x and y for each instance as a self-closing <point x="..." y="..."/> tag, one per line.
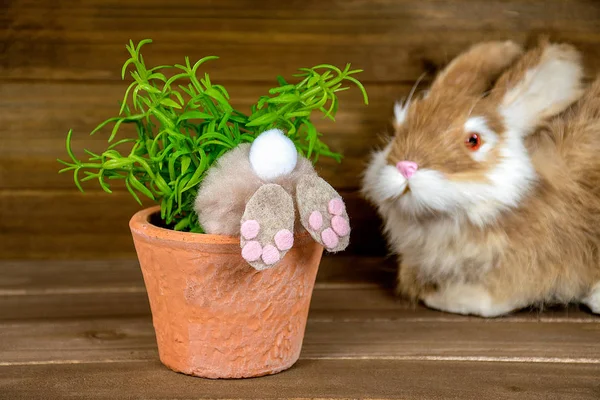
<point x="407" y="168"/>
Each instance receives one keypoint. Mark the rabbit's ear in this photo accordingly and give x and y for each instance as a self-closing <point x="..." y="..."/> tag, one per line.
<point x="546" y="81"/>
<point x="473" y="71"/>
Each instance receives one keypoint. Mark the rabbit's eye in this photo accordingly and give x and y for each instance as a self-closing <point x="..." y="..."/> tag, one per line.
<point x="473" y="141"/>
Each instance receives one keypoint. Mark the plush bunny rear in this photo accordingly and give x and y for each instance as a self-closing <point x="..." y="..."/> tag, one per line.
<point x="267" y="193"/>
<point x="492" y="199"/>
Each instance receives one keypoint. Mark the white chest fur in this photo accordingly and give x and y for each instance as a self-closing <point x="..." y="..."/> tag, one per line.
<point x="443" y="248"/>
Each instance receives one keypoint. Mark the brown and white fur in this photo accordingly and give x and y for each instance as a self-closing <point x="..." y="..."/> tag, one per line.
<point x="516" y="222"/>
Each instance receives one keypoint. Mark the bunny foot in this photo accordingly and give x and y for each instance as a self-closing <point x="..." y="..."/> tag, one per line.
<point x="267" y="226"/>
<point x="467" y="299"/>
<point x="323" y="213"/>
<point x="593" y="299"/>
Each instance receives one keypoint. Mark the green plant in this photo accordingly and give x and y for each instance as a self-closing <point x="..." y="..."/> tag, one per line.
<point x="184" y="123"/>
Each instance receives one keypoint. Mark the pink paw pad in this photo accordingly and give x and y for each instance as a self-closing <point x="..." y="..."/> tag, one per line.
<point x="252" y="251"/>
<point x="270" y="255"/>
<point x="250" y="229"/>
<point x="340" y="225"/>
<point x="330" y="239"/>
<point x="284" y="240"/>
<point x="336" y="207"/>
<point x="315" y="220"/>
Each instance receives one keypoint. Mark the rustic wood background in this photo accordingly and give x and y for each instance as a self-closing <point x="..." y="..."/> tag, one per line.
<point x="60" y="68"/>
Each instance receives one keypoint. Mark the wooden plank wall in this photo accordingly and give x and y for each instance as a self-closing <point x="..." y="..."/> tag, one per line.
<point x="60" y="64"/>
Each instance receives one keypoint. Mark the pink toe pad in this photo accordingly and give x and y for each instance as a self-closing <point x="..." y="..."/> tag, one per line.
<point x="250" y="229"/>
<point x="252" y="251"/>
<point x="336" y="207"/>
<point x="284" y="240"/>
<point x="340" y="225"/>
<point x="270" y="255"/>
<point x="315" y="220"/>
<point x="330" y="239"/>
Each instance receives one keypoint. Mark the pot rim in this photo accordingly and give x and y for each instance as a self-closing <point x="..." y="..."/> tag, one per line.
<point x="140" y="224"/>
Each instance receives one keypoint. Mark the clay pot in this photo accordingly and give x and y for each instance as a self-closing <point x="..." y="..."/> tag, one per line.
<point x="214" y="315"/>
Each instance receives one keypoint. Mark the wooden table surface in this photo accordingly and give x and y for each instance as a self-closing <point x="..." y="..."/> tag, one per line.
<point x="82" y="330"/>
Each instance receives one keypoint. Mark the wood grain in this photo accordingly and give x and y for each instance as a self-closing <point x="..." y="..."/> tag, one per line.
<point x="41" y="114"/>
<point x="70" y="289"/>
<point x="390" y="40"/>
<point x="347" y="290"/>
<point x="359" y="341"/>
<point x="323" y="379"/>
<point x="27" y="276"/>
<point x="407" y="337"/>
<point x="61" y="62"/>
<point x="341" y="303"/>
<point x="64" y="224"/>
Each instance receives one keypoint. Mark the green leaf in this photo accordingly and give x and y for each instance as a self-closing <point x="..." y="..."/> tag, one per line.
<point x="76" y="179"/>
<point x="89" y="176"/>
<point x="281" y="89"/>
<point x="172" y="160"/>
<point x="313" y="80"/>
<point x="284" y="98"/>
<point x="222" y="90"/>
<point x="158" y="76"/>
<point x="162" y="185"/>
<point x="193" y="115"/>
<point x="181" y="225"/>
<point x="215" y="94"/>
<point x="124" y="102"/>
<point x="169" y="209"/>
<point x="149" y="88"/>
<point x="332" y="109"/>
<point x="185" y="163"/>
<point x="117" y="163"/>
<point x="163" y="208"/>
<point x="282" y="81"/>
<point x="174" y="78"/>
<point x="139" y="186"/>
<point x="103" y="184"/>
<point x="179" y="97"/>
<point x="361" y="87"/>
<point x="115" y="129"/>
<point x="124" y="69"/>
<point x="224" y="121"/>
<point x="200" y="62"/>
<point x="263" y="120"/>
<point x="169" y="103"/>
<point x="298" y="114"/>
<point x="130" y="189"/>
<point x="103" y="124"/>
<point x="195" y="179"/>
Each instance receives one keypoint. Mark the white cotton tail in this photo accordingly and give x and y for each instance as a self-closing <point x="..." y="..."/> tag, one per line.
<point x="273" y="154"/>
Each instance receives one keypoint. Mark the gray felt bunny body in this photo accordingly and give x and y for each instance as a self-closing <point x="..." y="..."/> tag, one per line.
<point x="265" y="192"/>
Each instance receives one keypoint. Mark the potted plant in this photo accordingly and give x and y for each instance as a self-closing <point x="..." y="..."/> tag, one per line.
<point x="213" y="315"/>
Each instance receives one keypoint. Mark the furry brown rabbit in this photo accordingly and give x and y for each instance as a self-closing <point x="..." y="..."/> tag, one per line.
<point x="491" y="197"/>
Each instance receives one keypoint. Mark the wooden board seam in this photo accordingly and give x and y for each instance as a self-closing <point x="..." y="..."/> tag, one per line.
<point x="531" y="360"/>
<point x="142" y="289"/>
<point x="224" y="82"/>
<point x="511" y="319"/>
<point x="544" y="360"/>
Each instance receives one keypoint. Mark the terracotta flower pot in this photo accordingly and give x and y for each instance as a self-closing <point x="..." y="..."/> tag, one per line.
<point x="214" y="315"/>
